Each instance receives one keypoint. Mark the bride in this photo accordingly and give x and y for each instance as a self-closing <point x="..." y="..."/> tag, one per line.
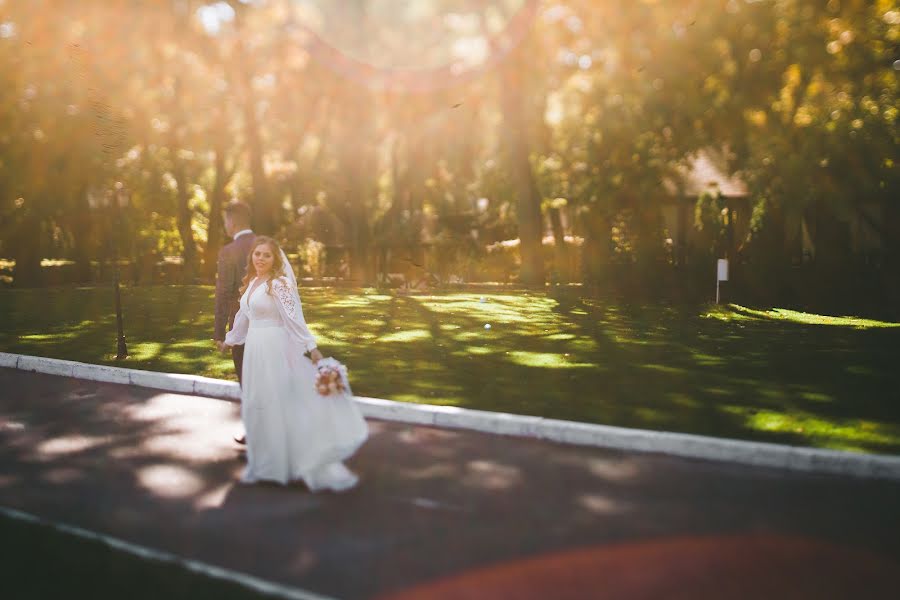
<point x="293" y="432"/>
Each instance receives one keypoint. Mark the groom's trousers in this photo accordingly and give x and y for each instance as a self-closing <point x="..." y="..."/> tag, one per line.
<point x="237" y="354"/>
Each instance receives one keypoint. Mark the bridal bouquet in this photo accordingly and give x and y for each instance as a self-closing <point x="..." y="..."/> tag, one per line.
<point x="331" y="377"/>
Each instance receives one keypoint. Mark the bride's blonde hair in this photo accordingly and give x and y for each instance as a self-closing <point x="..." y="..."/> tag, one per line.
<point x="277" y="266"/>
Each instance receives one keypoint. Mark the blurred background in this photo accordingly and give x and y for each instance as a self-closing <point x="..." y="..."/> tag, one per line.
<point x="618" y="147"/>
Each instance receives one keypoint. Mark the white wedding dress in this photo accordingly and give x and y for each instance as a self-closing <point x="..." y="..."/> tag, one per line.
<point x="293" y="433"/>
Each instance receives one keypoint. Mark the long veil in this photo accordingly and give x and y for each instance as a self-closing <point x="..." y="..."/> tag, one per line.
<point x="289" y="271"/>
<point x="325" y="362"/>
<point x="292" y="278"/>
<point x="292" y="290"/>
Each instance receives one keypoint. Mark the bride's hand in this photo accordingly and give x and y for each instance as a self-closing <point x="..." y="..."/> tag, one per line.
<point x="222" y="346"/>
<point x="315" y="355"/>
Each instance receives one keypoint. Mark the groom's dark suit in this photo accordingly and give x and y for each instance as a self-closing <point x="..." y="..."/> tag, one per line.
<point x="231" y="268"/>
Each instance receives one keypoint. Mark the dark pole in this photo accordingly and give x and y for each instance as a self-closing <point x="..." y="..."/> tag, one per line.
<point x="122" y="347"/>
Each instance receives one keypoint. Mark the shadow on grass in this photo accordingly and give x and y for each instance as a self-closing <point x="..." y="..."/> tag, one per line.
<point x="167" y="328"/>
<point x="773" y="376"/>
<point x="768" y="380"/>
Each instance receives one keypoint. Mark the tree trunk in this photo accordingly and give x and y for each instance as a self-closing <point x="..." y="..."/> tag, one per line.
<point x="358" y="148"/>
<point x="891" y="241"/>
<point x="185" y="232"/>
<point x="264" y="208"/>
<point x="778" y="255"/>
<point x="596" y="257"/>
<point x="27" y="239"/>
<point x="215" y="233"/>
<point x="182" y="209"/>
<point x="356" y="202"/>
<point x="81" y="233"/>
<point x="648" y="222"/>
<point x="560" y="249"/>
<point x="265" y="213"/>
<point x="528" y="197"/>
<point x="27" y="252"/>
<point x="681" y="236"/>
<point x="361" y="251"/>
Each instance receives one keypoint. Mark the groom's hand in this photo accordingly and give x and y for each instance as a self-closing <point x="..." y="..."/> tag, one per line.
<point x="222" y="346"/>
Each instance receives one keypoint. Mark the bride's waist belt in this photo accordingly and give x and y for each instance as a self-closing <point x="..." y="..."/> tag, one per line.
<point x="263" y="323"/>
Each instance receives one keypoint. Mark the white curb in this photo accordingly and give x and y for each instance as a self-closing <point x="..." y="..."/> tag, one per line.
<point x="243" y="579"/>
<point x="170" y="382"/>
<point x="760" y="454"/>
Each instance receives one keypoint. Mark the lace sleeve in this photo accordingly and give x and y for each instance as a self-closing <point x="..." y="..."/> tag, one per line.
<point x="292" y="313"/>
<point x="286" y="297"/>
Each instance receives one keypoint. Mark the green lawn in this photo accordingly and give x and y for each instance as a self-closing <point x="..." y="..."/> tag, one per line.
<point x="776" y="375"/>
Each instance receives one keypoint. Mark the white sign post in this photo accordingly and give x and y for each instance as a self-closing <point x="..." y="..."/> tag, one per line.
<point x="721" y="275"/>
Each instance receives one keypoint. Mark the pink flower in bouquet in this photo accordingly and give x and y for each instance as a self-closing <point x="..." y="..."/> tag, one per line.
<point x="329" y="378"/>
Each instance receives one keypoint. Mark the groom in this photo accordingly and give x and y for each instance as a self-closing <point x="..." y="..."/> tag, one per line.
<point x="231" y="268"/>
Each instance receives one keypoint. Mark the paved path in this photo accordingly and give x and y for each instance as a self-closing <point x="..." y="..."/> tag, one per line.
<point x="440" y="513"/>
